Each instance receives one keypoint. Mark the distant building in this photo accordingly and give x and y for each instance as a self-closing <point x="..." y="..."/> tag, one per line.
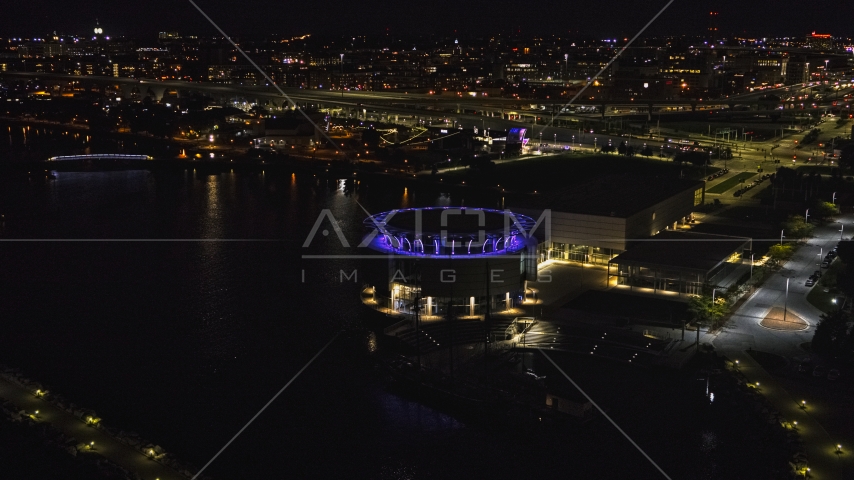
<point x="820" y="41"/>
<point x="795" y="70"/>
<point x="713" y="26"/>
<point x="281" y="133"/>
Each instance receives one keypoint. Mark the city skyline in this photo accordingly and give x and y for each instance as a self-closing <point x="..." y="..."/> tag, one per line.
<point x="617" y="18"/>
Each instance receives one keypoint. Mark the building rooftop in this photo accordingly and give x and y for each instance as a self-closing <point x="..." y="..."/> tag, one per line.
<point x="613" y="195"/>
<point x="682" y="250"/>
<point x="449" y="222"/>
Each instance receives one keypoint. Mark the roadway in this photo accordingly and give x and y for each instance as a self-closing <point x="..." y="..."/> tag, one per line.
<point x="418" y="104"/>
<point x="827" y="420"/>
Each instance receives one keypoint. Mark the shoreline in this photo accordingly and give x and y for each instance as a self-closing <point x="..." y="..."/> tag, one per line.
<point x="80" y="432"/>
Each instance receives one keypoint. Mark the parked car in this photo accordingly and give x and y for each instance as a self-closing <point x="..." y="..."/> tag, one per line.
<point x="819" y="371"/>
<point x="810" y="282"/>
<point x="825" y="264"/>
<point x="833" y="374"/>
<point x="803" y="367"/>
<point x="817" y="273"/>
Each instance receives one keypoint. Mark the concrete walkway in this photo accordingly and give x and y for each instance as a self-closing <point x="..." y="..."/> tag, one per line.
<point x="110" y="448"/>
<point x="819" y="444"/>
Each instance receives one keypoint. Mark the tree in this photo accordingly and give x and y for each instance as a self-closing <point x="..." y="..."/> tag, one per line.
<point x="621" y="148"/>
<point x="646" y="151"/>
<point x="823" y="210"/>
<point x="796" y="227"/>
<point x="833" y="336"/>
<point x="371" y="137"/>
<point x="695" y="158"/>
<point x="705" y="312"/>
<point x="846" y="157"/>
<point x="780" y="253"/>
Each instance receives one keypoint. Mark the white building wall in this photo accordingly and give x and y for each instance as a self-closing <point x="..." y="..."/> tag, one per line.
<point x="644" y="224"/>
<point x="592" y="230"/>
<point x="579" y="229"/>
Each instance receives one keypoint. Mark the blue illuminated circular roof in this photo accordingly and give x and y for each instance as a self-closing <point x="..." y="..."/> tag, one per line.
<point x="449" y="231"/>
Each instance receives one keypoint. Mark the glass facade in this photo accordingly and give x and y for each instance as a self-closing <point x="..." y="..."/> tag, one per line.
<point x="575" y="253"/>
<point x="660" y="279"/>
<point x="404" y="299"/>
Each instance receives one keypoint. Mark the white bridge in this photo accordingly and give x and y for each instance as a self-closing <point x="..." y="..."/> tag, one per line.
<point x="99" y="156"/>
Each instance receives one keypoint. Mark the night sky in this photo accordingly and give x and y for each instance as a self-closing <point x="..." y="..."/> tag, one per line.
<point x="143" y="18"/>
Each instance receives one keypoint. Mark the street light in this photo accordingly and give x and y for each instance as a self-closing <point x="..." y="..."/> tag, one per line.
<point x="807" y="216"/>
<point x="566" y="65"/>
<point x="841" y="230"/>
<point x="834" y="198"/>
<point x="786" y="300"/>
<point x="342" y="75"/>
<point x="781" y="237"/>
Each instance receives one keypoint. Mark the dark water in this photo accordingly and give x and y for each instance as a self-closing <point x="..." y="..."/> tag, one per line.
<point x="184" y="341"/>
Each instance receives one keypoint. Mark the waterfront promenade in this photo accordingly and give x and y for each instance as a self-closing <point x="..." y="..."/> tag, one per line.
<point x="110" y="448"/>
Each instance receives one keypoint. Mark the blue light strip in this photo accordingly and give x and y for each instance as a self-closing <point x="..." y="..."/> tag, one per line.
<point x="397" y="240"/>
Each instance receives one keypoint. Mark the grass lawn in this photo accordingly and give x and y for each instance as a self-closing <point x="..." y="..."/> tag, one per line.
<point x="730" y="182"/>
<point x="769" y="361"/>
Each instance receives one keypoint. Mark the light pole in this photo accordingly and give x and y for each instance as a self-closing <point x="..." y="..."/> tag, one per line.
<point x="781" y="237"/>
<point x="565" y="66"/>
<point x="841" y="230"/>
<point x="541" y="142"/>
<point x="834" y="198"/>
<point x="786" y="301"/>
<point x="807" y="216"/>
<point x="342" y="75"/>
<point x="751" y="265"/>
